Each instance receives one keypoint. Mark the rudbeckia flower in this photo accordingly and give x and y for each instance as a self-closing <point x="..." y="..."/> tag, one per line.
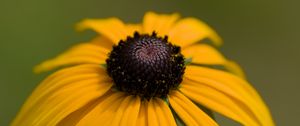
<point x="154" y="73"/>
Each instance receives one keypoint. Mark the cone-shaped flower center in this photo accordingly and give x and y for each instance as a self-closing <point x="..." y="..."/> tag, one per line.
<point x="146" y="65"/>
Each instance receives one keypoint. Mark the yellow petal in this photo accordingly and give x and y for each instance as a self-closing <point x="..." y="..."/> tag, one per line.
<point x="235" y="92"/>
<point x="142" y="117"/>
<point x="159" y="23"/>
<point x="131" y="28"/>
<point x="152" y="118"/>
<point x="108" y="44"/>
<point x="203" y="54"/>
<point x="55" y="99"/>
<point x="189" y="112"/>
<point x="112" y="28"/>
<point x="190" y="30"/>
<point x="127" y="113"/>
<point x="103" y="42"/>
<point x="234" y="68"/>
<point x="85" y="53"/>
<point x="163" y="113"/>
<point x="57" y="79"/>
<point x="218" y="102"/>
<point x="73" y="118"/>
<point x="104" y="111"/>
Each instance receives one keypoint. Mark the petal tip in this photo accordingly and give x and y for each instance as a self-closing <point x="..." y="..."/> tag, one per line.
<point x="82" y="25"/>
<point x="40" y="68"/>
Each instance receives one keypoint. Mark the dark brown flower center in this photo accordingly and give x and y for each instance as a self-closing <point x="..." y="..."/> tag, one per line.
<point x="146" y="65"/>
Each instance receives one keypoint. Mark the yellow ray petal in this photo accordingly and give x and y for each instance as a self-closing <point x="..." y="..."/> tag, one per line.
<point x="189" y="112"/>
<point x="68" y="75"/>
<point x="238" y="84"/>
<point x="127" y="112"/>
<point x="112" y="28"/>
<point x="131" y="28"/>
<point x="48" y="106"/>
<point x="163" y="113"/>
<point x="57" y="80"/>
<point x="104" y="111"/>
<point x="103" y="42"/>
<point x="132" y="112"/>
<point x="234" y="68"/>
<point x="190" y="30"/>
<point x="218" y="102"/>
<point x="73" y="118"/>
<point x="159" y="23"/>
<point x="85" y="53"/>
<point x="203" y="54"/>
<point x="237" y="92"/>
<point x="142" y="117"/>
<point x="152" y="118"/>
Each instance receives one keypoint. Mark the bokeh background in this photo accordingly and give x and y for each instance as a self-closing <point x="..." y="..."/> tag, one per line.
<point x="262" y="35"/>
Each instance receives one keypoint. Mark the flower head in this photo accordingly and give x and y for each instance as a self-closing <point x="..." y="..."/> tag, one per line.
<point x="154" y="73"/>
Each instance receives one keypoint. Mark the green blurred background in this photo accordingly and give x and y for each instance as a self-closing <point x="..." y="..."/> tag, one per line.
<point x="262" y="35"/>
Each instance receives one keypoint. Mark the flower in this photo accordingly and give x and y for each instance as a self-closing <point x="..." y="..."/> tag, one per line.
<point x="154" y="73"/>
